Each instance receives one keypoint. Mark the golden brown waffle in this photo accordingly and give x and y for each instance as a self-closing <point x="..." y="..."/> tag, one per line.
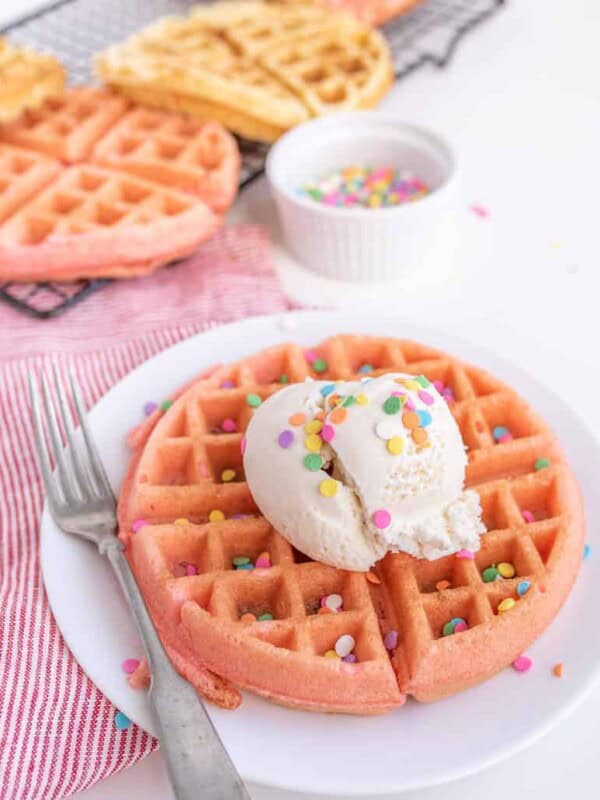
<point x="259" y="69"/>
<point x="148" y="187"/>
<point x="27" y="78"/>
<point x="182" y="554"/>
<point x="371" y="12"/>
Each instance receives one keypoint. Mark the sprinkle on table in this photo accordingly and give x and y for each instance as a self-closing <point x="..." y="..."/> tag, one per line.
<point x="558" y="669"/>
<point x="253" y="400"/>
<point x="130" y="665"/>
<point x="522" y="664"/>
<point x="587" y="549"/>
<point x="359" y="186"/>
<point x="122" y="722"/>
<point x="479" y="211"/>
<point x="150" y="407"/>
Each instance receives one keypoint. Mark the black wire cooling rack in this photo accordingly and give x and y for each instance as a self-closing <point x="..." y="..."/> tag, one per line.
<point x="76" y="29"/>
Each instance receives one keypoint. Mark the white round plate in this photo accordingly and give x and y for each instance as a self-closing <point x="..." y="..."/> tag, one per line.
<point x="415" y="746"/>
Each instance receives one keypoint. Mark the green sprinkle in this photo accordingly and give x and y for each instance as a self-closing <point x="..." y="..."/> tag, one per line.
<point x="264" y="617"/>
<point x="239" y="560"/>
<point x="313" y="462"/>
<point x="349" y="401"/>
<point x="319" y="365"/>
<point x="253" y="400"/>
<point x="284" y="378"/>
<point x="542" y="463"/>
<point x="166" y="405"/>
<point x="392" y="405"/>
<point x="490" y="574"/>
<point x="448" y="628"/>
<point x="422" y="381"/>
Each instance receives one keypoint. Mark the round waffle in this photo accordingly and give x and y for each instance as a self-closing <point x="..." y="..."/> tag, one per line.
<point x="184" y="520"/>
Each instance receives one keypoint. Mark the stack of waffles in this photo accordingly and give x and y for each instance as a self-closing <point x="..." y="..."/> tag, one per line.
<point x="258" y="69"/>
<point x="92" y="186"/>
<point x="237" y="607"/>
<point x="27" y="78"/>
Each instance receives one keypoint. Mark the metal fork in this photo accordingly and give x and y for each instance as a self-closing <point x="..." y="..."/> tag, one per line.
<point x="81" y="502"/>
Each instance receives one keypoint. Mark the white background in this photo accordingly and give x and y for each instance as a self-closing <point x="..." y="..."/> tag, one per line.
<point x="521" y="104"/>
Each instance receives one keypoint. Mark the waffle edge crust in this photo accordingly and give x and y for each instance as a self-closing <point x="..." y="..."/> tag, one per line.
<point x="175" y="474"/>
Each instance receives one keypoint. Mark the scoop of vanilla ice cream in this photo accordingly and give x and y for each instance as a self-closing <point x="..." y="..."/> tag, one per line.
<point x="385" y="472"/>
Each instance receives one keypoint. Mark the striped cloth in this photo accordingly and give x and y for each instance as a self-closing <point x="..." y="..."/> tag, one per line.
<point x="57" y="733"/>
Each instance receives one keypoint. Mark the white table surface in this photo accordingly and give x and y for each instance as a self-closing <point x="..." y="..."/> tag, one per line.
<point x="521" y="104"/>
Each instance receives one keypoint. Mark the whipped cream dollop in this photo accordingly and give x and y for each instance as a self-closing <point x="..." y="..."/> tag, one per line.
<point x="348" y="471"/>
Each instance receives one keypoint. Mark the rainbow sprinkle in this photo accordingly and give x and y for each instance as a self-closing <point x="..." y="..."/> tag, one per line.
<point x="365" y="187"/>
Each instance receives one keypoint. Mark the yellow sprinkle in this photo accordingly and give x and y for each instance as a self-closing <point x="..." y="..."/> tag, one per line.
<point x="328" y="487"/>
<point x="395" y="445"/>
<point x="362" y="399"/>
<point x="216" y="516"/>
<point x="314" y="426"/>
<point x="181" y="521"/>
<point x="506" y="604"/>
<point x="506" y="570"/>
<point x="412" y="386"/>
<point x="331" y="654"/>
<point x="227" y="475"/>
<point x="313" y="442"/>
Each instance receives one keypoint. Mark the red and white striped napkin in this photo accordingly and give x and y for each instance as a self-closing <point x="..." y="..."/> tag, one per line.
<point x="57" y="732"/>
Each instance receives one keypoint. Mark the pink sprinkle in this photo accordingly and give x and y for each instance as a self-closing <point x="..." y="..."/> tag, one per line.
<point x="382" y="518"/>
<point x="480" y="211"/>
<point x="410" y="405"/>
<point x="130" y="665"/>
<point x="229" y="425"/>
<point x="331" y="199"/>
<point x="139" y="523"/>
<point x="439" y="386"/>
<point x="203" y="470"/>
<point x="469" y="554"/>
<point x="243" y="445"/>
<point x="327" y="433"/>
<point x="425" y="397"/>
<point x="507" y="437"/>
<point x="528" y="516"/>
<point x="191" y="569"/>
<point x="262" y="562"/>
<point x="324" y="600"/>
<point x="460" y="626"/>
<point x="310" y="356"/>
<point x="390" y="640"/>
<point x="522" y="664"/>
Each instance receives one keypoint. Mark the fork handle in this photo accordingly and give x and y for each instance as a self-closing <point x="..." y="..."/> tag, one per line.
<point x="197" y="763"/>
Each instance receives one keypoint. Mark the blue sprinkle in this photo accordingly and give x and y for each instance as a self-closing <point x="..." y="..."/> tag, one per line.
<point x="587" y="551"/>
<point x="245" y="566"/>
<point x="424" y="418"/>
<point x="523" y="587"/>
<point x="326" y="390"/>
<point x="499" y="431"/>
<point x="456" y="620"/>
<point x="122" y="722"/>
<point x="366" y="368"/>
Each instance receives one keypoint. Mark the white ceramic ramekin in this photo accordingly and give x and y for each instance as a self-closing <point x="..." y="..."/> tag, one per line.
<point x="359" y="244"/>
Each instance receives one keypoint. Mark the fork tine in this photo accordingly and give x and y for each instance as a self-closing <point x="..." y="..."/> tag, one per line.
<point x="65" y="478"/>
<point x="82" y="475"/>
<point x="52" y="492"/>
<point x="95" y="462"/>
